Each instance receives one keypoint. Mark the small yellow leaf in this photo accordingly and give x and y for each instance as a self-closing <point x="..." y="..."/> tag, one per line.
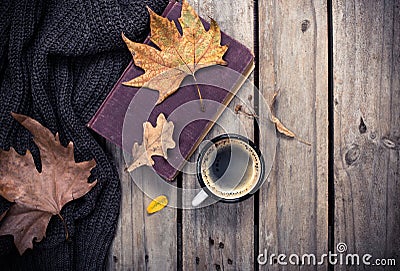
<point x="157" y="204"/>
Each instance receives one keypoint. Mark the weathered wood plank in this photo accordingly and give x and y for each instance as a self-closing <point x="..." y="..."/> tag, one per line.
<point x="221" y="236"/>
<point x="293" y="59"/>
<point x="367" y="127"/>
<point x="142" y="242"/>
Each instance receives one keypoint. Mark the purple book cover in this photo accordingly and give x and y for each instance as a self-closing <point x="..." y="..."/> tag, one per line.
<point x="121" y="116"/>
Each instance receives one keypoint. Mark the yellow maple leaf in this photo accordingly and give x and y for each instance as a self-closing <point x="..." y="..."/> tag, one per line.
<point x="179" y="55"/>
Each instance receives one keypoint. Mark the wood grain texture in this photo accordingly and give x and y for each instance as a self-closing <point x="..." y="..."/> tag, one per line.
<point x="293" y="59"/>
<point x="293" y="207"/>
<point x="221" y="236"/>
<point x="367" y="127"/>
<point x="142" y="241"/>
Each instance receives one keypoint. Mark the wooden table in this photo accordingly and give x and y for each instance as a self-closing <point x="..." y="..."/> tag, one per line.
<point x="337" y="66"/>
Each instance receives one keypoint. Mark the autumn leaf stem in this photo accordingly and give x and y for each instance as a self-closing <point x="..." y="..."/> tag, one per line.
<point x="303" y="141"/>
<point x="202" y="108"/>
<point x="65" y="226"/>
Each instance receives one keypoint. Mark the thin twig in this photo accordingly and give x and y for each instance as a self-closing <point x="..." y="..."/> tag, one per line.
<point x="239" y="110"/>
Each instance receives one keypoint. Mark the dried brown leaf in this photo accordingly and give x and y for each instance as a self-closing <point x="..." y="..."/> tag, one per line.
<point x="281" y="128"/>
<point x="279" y="125"/>
<point x="156" y="141"/>
<point x="39" y="196"/>
<point x="179" y="55"/>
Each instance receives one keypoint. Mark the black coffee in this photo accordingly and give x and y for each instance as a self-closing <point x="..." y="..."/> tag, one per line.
<point x="230" y="168"/>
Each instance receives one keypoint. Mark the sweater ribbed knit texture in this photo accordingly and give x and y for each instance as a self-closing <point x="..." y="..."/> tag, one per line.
<point x="59" y="60"/>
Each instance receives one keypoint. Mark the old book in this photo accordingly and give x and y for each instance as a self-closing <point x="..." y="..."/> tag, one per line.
<point x="123" y="112"/>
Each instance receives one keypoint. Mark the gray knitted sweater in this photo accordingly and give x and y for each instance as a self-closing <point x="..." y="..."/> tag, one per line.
<point x="58" y="61"/>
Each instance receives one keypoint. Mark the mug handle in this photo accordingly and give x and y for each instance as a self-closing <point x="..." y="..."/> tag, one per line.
<point x="199" y="198"/>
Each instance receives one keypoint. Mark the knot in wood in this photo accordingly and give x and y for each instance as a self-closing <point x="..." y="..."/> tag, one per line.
<point x="388" y="143"/>
<point x="362" y="127"/>
<point x="352" y="155"/>
<point x="305" y="25"/>
<point x="372" y="135"/>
